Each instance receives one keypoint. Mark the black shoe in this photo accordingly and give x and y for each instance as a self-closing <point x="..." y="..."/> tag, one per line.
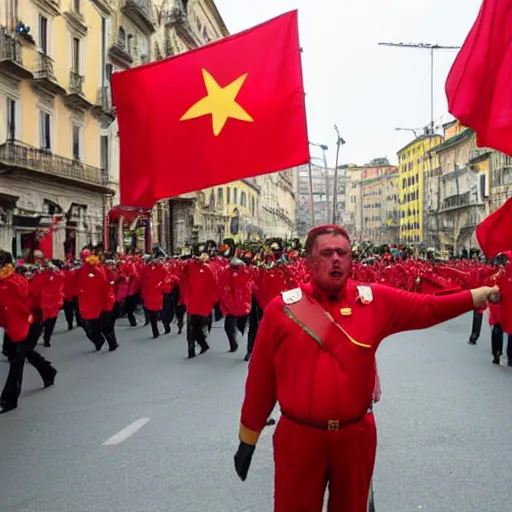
<point x="247" y="357"/>
<point x="168" y="330"/>
<point x="50" y="381"/>
<point x="234" y="347"/>
<point x="180" y="329"/>
<point x="47" y="344"/>
<point x="6" y="407"/>
<point x="70" y="327"/>
<point x="204" y="349"/>
<point x="99" y="346"/>
<point x="270" y="422"/>
<point x="113" y="347"/>
<point x="496" y="359"/>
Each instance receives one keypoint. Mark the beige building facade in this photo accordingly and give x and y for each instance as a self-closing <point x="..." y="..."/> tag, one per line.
<point x="51" y="171"/>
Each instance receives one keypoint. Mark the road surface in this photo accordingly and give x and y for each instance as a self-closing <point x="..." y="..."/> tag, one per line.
<point x="145" y="430"/>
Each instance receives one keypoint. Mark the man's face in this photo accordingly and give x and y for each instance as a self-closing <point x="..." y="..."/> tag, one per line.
<point x="330" y="263"/>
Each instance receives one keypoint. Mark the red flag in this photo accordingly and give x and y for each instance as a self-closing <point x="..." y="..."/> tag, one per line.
<point x="229" y="110"/>
<point x="494" y="233"/>
<point x="480" y="80"/>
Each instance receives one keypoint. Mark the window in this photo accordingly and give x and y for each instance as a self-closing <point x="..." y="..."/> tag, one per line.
<point x="43" y="34"/>
<point x="243" y="199"/>
<point x="77" y="142"/>
<point x="104" y="153"/>
<point x="121" y="36"/>
<point x="76" y="6"/>
<point x="75" y="55"/>
<point x="45" y="131"/>
<point x="228" y="198"/>
<point x="220" y="195"/>
<point x="11" y="119"/>
<point x="253" y="205"/>
<point x="235" y="195"/>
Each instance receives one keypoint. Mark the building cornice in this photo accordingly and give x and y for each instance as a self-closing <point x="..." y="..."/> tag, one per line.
<point x="210" y="4"/>
<point x="453" y="141"/>
<point x="417" y="140"/>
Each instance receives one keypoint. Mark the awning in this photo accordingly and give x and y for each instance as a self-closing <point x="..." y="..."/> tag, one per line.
<point x="128" y="213"/>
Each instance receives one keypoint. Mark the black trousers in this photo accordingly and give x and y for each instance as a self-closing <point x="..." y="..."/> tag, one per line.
<point x="168" y="311"/>
<point x="497" y="342"/>
<point x="476" y="327"/>
<point x="103" y="328"/>
<point x="255" y="316"/>
<point x="20" y="352"/>
<point x="48" y="328"/>
<point x="153" y="320"/>
<point x="179" y="309"/>
<point x="197" y="332"/>
<point x="232" y="324"/>
<point x="129" y="307"/>
<point x="71" y="312"/>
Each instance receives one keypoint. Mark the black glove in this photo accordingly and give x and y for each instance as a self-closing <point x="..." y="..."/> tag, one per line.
<point x="243" y="458"/>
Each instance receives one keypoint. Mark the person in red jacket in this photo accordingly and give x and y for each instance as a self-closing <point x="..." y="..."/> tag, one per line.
<point x="71" y="295"/>
<point x="16" y="319"/>
<point x="235" y="293"/>
<point x="315" y="354"/>
<point x="154" y="277"/>
<point x="96" y="300"/>
<point x="52" y="299"/>
<point x="201" y="295"/>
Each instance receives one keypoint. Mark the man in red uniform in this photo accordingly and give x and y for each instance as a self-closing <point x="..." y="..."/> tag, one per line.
<point x="315" y="355"/>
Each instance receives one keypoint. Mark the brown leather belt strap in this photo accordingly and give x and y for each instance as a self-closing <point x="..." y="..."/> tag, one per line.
<point x="330" y="425"/>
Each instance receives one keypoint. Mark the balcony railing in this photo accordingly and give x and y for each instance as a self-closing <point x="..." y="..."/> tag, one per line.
<point x="76" y="83"/>
<point x="140" y="11"/>
<point x="44" y="67"/>
<point x="479" y="152"/>
<point x="17" y="155"/>
<point x="456" y="201"/>
<point x="10" y="49"/>
<point x="11" y="57"/>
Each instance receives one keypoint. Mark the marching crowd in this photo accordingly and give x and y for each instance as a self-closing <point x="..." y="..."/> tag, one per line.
<point x="229" y="282"/>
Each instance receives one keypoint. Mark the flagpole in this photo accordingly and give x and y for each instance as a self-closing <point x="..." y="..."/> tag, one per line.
<point x="310" y="172"/>
<point x="339" y="143"/>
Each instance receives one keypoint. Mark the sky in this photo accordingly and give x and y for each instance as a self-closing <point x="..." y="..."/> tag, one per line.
<point x="365" y="89"/>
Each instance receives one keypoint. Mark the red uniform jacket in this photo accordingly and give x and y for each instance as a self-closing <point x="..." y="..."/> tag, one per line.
<point x="235" y="291"/>
<point x="70" y="284"/>
<point x="52" y="294"/>
<point x="289" y="366"/>
<point x="15" y="315"/>
<point x="94" y="292"/>
<point x="201" y="293"/>
<point x="153" y="280"/>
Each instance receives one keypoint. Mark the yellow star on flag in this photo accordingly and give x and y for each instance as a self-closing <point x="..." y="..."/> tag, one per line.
<point x="220" y="102"/>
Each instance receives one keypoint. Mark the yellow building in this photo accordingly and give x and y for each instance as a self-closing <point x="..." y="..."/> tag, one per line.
<point x="51" y="155"/>
<point x="412" y="160"/>
<point x="380" y="206"/>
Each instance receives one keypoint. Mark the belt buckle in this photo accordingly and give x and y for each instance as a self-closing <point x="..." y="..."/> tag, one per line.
<point x="333" y="425"/>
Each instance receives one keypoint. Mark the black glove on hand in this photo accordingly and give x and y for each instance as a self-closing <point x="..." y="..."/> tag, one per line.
<point x="243" y="458"/>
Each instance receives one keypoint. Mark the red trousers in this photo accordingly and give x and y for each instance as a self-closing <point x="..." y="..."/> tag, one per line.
<point x="307" y="459"/>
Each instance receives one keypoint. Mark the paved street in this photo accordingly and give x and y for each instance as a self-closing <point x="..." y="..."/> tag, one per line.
<point x="145" y="430"/>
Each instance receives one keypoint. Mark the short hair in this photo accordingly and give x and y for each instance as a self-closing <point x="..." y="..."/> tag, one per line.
<point x="324" y="229"/>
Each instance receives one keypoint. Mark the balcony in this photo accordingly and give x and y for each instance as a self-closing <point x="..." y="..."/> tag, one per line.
<point x="11" y="60"/>
<point x="479" y="154"/>
<point x="75" y="17"/>
<point x="52" y="6"/>
<point x="75" y="98"/>
<point x="106" y="7"/>
<point x="178" y="19"/>
<point x="44" y="77"/>
<point x="141" y="13"/>
<point x="103" y="108"/>
<point x="17" y="156"/>
<point x="120" y="55"/>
